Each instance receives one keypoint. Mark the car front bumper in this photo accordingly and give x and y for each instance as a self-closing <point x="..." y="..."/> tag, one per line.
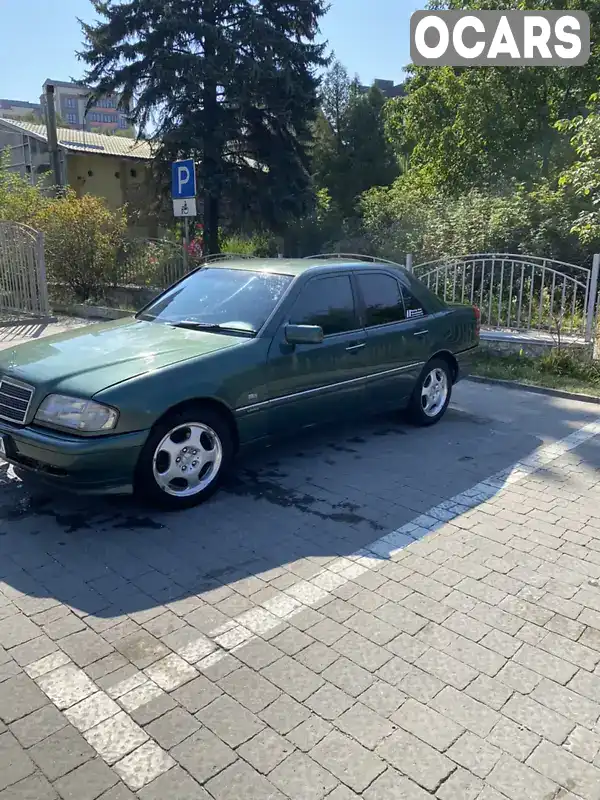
<point x="98" y="465"/>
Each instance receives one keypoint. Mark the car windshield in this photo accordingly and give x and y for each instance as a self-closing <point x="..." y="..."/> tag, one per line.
<point x="212" y="298"/>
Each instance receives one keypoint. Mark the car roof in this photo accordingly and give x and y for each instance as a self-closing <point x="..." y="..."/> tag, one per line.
<point x="295" y="266"/>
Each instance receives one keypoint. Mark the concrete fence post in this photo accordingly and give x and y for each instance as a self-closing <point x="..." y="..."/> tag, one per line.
<point x="409" y="262"/>
<point x="592" y="300"/>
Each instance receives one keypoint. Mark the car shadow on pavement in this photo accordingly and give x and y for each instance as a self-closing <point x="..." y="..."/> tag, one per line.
<point x="325" y="494"/>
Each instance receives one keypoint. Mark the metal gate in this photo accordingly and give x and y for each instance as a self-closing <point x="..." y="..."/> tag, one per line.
<point x="23" y="285"/>
<point x="519" y="292"/>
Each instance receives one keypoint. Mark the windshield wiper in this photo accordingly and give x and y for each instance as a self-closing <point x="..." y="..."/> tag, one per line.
<point x="211" y="326"/>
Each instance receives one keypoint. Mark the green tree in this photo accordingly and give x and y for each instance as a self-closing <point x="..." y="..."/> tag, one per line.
<point x="326" y="152"/>
<point x="468" y="127"/>
<point x="583" y="176"/>
<point x="368" y="158"/>
<point x="399" y="220"/>
<point x="350" y="150"/>
<point x="20" y="201"/>
<point x="335" y="96"/>
<point x="231" y="84"/>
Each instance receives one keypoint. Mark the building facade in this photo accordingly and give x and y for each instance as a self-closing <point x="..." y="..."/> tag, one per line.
<point x="17" y="109"/>
<point x="116" y="168"/>
<point x="71" y="104"/>
<point x="387" y="88"/>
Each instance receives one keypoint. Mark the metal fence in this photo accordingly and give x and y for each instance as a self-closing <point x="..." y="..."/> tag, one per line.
<point x="518" y="292"/>
<point x="513" y="291"/>
<point x="23" y="286"/>
<point x="149" y="263"/>
<point x="158" y="263"/>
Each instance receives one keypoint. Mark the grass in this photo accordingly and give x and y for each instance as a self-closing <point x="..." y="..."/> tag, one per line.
<point x="559" y="369"/>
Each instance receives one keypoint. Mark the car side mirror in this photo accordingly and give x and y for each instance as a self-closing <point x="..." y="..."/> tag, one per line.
<point x="303" y="334"/>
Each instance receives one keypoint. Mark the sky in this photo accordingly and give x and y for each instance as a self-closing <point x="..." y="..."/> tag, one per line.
<point x="40" y="39"/>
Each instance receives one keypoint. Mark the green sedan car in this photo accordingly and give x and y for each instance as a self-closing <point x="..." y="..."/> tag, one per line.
<point x="235" y="353"/>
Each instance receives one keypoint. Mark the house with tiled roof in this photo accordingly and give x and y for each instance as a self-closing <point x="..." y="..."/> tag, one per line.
<point x="117" y="168"/>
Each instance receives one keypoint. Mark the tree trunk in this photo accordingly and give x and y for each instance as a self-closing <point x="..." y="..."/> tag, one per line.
<point x="211" y="224"/>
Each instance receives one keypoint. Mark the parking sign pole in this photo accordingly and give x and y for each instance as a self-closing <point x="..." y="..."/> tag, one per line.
<point x="183" y="190"/>
<point x="186" y="243"/>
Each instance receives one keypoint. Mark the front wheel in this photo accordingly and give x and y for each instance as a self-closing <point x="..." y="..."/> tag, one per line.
<point x="431" y="394"/>
<point x="184" y="460"/>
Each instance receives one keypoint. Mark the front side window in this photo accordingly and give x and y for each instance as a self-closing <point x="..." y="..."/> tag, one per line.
<point x="382" y="299"/>
<point x="237" y="300"/>
<point x="328" y="302"/>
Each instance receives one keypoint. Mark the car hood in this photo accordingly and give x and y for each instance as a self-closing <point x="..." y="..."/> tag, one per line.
<point x="87" y="360"/>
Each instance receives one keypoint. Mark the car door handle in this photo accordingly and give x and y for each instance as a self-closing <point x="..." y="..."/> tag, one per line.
<point x="421" y="333"/>
<point x="353" y="347"/>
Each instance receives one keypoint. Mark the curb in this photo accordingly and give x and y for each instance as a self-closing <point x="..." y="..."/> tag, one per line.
<point x="28" y="322"/>
<point x="583" y="398"/>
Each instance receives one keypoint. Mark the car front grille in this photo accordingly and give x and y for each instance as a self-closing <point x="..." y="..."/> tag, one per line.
<point x="15" y="399"/>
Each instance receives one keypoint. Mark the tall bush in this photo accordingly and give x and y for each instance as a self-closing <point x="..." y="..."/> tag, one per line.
<point x="402" y="219"/>
<point x="19" y="200"/>
<point x="82" y="239"/>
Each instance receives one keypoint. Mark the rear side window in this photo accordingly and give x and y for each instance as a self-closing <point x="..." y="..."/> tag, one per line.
<point x="382" y="299"/>
<point x="412" y="306"/>
<point x="328" y="302"/>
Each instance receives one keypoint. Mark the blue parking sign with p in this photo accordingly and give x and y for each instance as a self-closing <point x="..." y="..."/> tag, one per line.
<point x="183" y="179"/>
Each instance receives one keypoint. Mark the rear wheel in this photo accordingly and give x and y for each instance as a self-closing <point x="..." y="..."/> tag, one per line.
<point x="431" y="394"/>
<point x="185" y="458"/>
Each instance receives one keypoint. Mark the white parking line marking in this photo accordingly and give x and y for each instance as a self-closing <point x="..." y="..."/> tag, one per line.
<point x="140" y="696"/>
<point x="234" y="637"/>
<point x="122" y="743"/>
<point x="307" y="593"/>
<point x="110" y="731"/>
<point x="371" y="557"/>
<point x="66" y="686"/>
<point x="196" y="649"/>
<point x="170" y="672"/>
<point x="283" y="606"/>
<point x="126" y="685"/>
<point x="92" y="711"/>
<point x="116" y="737"/>
<point x="258" y="620"/>
<point x="144" y="765"/>
<point x="47" y="664"/>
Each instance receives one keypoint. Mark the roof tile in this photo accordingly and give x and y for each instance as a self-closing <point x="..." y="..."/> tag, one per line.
<point x="87" y="142"/>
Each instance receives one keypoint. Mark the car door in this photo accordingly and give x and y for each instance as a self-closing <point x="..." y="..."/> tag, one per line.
<point x="417" y="321"/>
<point x="396" y="339"/>
<point x="311" y="384"/>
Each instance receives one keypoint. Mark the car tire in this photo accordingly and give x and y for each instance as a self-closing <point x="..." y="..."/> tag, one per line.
<point x="185" y="458"/>
<point x="431" y="395"/>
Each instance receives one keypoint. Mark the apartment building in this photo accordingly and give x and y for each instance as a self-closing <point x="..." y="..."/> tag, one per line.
<point x="17" y="109"/>
<point x="71" y="101"/>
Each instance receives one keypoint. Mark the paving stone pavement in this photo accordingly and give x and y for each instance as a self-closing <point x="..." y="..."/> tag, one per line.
<point x="384" y="613"/>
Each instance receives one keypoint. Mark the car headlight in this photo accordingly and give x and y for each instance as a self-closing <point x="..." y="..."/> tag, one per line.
<point x="81" y="415"/>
